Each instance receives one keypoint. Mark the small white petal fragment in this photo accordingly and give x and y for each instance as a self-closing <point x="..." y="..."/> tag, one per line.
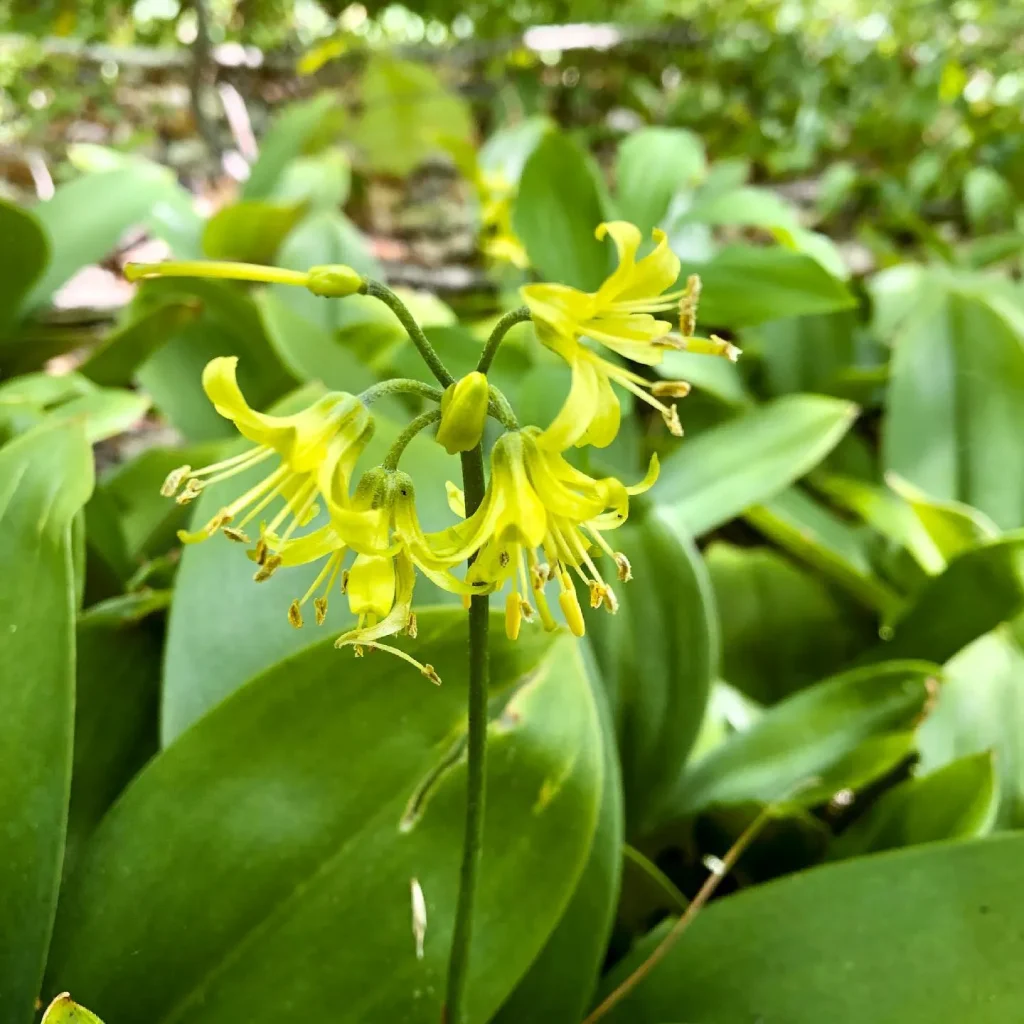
<point x="419" y="916"/>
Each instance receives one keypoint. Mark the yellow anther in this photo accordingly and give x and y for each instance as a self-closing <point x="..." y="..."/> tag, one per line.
<point x="174" y="480"/>
<point x="191" y="492"/>
<point x="235" y="535"/>
<point x="431" y="674"/>
<point x="688" y="306"/>
<point x="670" y="389"/>
<point x="526" y="608"/>
<point x="623" y="568"/>
<point x="671" y="418"/>
<point x="412" y="626"/>
<point x="320" y="608"/>
<point x="295" y="614"/>
<point x="268" y="568"/>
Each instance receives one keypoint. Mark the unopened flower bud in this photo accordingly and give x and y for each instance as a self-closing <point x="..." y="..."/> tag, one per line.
<point x="333" y="281"/>
<point x="463" y="413"/>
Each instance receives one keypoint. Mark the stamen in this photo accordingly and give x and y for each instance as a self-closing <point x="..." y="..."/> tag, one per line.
<point x="295" y="614"/>
<point x="320" y="608"/>
<point x="670" y="389"/>
<point x="190" y="493"/>
<point x="232" y="467"/>
<point x="269" y="567"/>
<point x="174" y="480"/>
<point x="412" y="626"/>
<point x="713" y="346"/>
<point x="426" y="670"/>
<point x="625" y="570"/>
<point x="688" y="306"/>
<point x="236" y="535"/>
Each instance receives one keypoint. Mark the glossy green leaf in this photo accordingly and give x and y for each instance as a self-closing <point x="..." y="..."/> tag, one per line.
<point x="290" y="845"/>
<point x="229" y="325"/>
<point x="23" y="257"/>
<point x="782" y="628"/>
<point x="86" y="218"/>
<point x="979" y="589"/>
<point x="745" y="285"/>
<point x="802" y="739"/>
<point x="560" y="982"/>
<point x="652" y="165"/>
<point x="45" y="478"/>
<point x="953" y="406"/>
<point x="982" y="709"/>
<point x="956" y="802"/>
<point x="224" y="628"/>
<point x="711" y="479"/>
<point x="557" y="211"/>
<point x="916" y="936"/>
<point x="116" y="701"/>
<point x="287" y="138"/>
<point x="657" y="658"/>
<point x="115" y="359"/>
<point x="250" y="230"/>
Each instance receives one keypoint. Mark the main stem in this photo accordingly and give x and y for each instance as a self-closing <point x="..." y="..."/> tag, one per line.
<point x="476" y="745"/>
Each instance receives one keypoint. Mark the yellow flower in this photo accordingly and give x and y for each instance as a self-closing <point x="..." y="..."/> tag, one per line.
<point x="540" y="518"/>
<point x="316" y="451"/>
<point x="380" y="525"/>
<point x="500" y="241"/>
<point x="464" y="413"/>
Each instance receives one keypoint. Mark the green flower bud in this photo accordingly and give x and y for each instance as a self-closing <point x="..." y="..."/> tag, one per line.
<point x="463" y="413"/>
<point x="333" y="281"/>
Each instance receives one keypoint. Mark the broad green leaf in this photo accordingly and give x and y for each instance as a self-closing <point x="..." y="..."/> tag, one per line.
<point x="321" y="183"/>
<point x="978" y="590"/>
<point x="562" y="979"/>
<point x="711" y="479"/>
<point x="782" y="628"/>
<point x="807" y="353"/>
<point x="45" y="478"/>
<point x="803" y="739"/>
<point x="988" y="199"/>
<point x="954" y="409"/>
<point x="408" y="115"/>
<point x="229" y="325"/>
<point x="982" y="709"/>
<point x="23" y="257"/>
<point x="956" y="802"/>
<point x="716" y="377"/>
<point x="652" y="165"/>
<point x="224" y="628"/>
<point x="86" y="218"/>
<point x="290" y="845"/>
<point x="745" y="206"/>
<point x="251" y="230"/>
<point x="817" y="536"/>
<point x="287" y="138"/>
<point x="116" y="701"/>
<point x="506" y="151"/>
<point x="916" y="936"/>
<point x="63" y="1010"/>
<point x="557" y="211"/>
<point x="115" y="359"/>
<point x="657" y="659"/>
<point x="745" y="285"/>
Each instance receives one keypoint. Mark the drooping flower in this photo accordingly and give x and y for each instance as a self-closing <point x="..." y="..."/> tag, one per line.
<point x="381" y="527"/>
<point x="620" y="317"/>
<point x="316" y="451"/>
<point x="539" y="518"/>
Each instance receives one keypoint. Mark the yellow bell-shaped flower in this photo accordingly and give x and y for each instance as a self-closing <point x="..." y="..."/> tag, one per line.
<point x="316" y="450"/>
<point x="540" y="517"/>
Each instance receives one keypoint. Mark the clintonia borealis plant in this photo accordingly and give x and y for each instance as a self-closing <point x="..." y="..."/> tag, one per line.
<point x="526" y="528"/>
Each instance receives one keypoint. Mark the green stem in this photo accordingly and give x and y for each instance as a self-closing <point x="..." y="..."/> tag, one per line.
<point x="501" y="328"/>
<point x="501" y="409"/>
<point x="415" y="332"/>
<point x="400" y="386"/>
<point x="397" y="450"/>
<point x="476" y="751"/>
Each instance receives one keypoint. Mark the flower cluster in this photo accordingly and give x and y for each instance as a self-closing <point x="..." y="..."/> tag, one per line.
<point x="541" y="520"/>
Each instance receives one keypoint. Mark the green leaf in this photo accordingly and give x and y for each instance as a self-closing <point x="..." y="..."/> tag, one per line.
<point x="287" y="138"/>
<point x="653" y="164"/>
<point x="321" y="183"/>
<point x="954" y="409"/>
<point x="782" y="628"/>
<point x="745" y="206"/>
<point x="988" y="199"/>
<point x="408" y="116"/>
<point x="806" y="737"/>
<point x="556" y="213"/>
<point x="807" y="353"/>
<point x="290" y="846"/>
<point x="955" y="802"/>
<point x="745" y="285"/>
<point x="785" y="951"/>
<point x="711" y="479"/>
<point x="562" y="979"/>
<point x="506" y="151"/>
<point x="251" y="230"/>
<point x="981" y="710"/>
<point x="86" y="218"/>
<point x="23" y="257"/>
<point x="115" y="359"/>
<point x="230" y="325"/>
<point x="116" y="701"/>
<point x="224" y="628"/>
<point x="657" y="658"/>
<point x="978" y="590"/>
<point x="45" y="478"/>
<point x="716" y="377"/>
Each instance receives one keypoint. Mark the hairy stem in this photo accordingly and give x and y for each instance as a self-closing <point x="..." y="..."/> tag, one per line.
<point x="397" y="450"/>
<point x="413" y="329"/>
<point x="501" y="328"/>
<point x="458" y="965"/>
<point x="400" y="386"/>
